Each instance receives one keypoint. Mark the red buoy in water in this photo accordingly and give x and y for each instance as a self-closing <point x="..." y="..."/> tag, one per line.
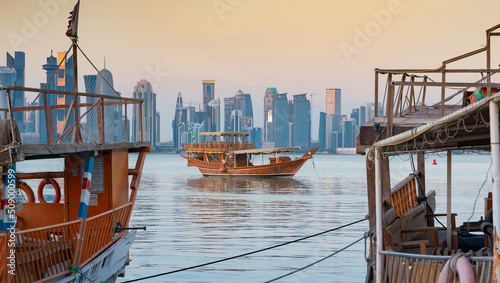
<point x="434" y="162"/>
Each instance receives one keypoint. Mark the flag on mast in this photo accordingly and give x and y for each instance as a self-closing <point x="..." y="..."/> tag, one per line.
<point x="73" y="21"/>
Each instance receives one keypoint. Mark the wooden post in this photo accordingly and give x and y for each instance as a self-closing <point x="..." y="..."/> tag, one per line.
<point x="376" y="94"/>
<point x="100" y="120"/>
<point x="443" y="90"/>
<point x="390" y="106"/>
<point x="126" y="124"/>
<point x="11" y="118"/>
<point x="140" y="116"/>
<point x="76" y="133"/>
<point x="421" y="176"/>
<point x="399" y="104"/>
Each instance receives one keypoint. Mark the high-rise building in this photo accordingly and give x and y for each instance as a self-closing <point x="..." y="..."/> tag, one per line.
<point x="243" y="102"/>
<point x="183" y="123"/>
<point x="236" y="121"/>
<point x="208" y="93"/>
<point x="213" y="116"/>
<point x="333" y="101"/>
<point x="254" y="136"/>
<point x="229" y="106"/>
<point x="48" y="98"/>
<point x="144" y="90"/>
<point x="268" y="134"/>
<point x="18" y="63"/>
<point x="301" y="121"/>
<point x="333" y="118"/>
<point x="91" y="122"/>
<point x="322" y="130"/>
<point x="7" y="78"/>
<point x="349" y="133"/>
<point x="114" y="125"/>
<point x="281" y="120"/>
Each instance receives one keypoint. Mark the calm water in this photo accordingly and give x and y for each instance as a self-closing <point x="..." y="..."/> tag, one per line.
<point x="192" y="219"/>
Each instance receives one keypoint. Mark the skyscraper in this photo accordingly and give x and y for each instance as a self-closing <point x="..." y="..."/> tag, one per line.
<point x="7" y="78"/>
<point x="18" y="63"/>
<point x="333" y="101"/>
<point x="268" y="114"/>
<point x="334" y="118"/>
<point x="213" y="116"/>
<point x="113" y="117"/>
<point x="301" y="121"/>
<point x="144" y="90"/>
<point x="322" y="130"/>
<point x="183" y="123"/>
<point x="48" y="98"/>
<point x="229" y="106"/>
<point x="91" y="122"/>
<point x="280" y="120"/>
<point x="243" y="102"/>
<point x="208" y="93"/>
<point x="349" y="133"/>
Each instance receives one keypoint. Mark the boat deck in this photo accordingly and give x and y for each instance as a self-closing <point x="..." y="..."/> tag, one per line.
<point x="37" y="151"/>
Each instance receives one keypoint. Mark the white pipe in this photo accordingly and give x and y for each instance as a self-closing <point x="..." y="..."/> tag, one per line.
<point x="378" y="213"/>
<point x="448" y="199"/>
<point x="495" y="175"/>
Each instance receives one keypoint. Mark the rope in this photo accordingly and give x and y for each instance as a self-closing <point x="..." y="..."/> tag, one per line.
<point x="318" y="261"/>
<point x="244" y="254"/>
<point x="82" y="275"/>
<point x="477" y="196"/>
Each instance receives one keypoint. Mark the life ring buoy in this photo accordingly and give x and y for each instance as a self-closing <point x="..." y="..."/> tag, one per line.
<point x="457" y="263"/>
<point x="27" y="190"/>
<point x="42" y="184"/>
<point x="223" y="169"/>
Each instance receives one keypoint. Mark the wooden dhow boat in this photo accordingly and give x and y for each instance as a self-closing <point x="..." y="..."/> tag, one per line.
<point x="405" y="243"/>
<point x="78" y="230"/>
<point x="236" y="158"/>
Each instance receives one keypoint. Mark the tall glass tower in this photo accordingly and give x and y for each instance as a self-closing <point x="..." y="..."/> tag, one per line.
<point x="17" y="62"/>
<point x="281" y="118"/>
<point x="301" y="121"/>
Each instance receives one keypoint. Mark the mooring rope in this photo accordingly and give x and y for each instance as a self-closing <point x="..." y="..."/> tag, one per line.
<point x="318" y="261"/>
<point x="244" y="254"/>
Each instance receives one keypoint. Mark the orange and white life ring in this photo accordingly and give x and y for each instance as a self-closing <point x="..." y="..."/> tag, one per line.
<point x="457" y="263"/>
<point x="27" y="190"/>
<point x="56" y="188"/>
<point x="223" y="168"/>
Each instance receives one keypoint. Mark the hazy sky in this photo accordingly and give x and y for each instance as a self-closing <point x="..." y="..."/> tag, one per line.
<point x="295" y="46"/>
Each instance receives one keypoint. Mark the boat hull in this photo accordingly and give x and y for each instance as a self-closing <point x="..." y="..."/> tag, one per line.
<point x="281" y="169"/>
<point x="107" y="266"/>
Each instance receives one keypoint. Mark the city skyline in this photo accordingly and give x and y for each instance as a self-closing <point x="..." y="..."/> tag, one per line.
<point x="295" y="46"/>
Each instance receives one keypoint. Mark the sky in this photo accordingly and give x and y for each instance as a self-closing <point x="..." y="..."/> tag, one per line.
<point x="297" y="46"/>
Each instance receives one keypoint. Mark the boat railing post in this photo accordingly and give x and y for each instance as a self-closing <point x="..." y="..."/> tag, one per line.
<point x="448" y="199"/>
<point x="495" y="174"/>
<point x="378" y="212"/>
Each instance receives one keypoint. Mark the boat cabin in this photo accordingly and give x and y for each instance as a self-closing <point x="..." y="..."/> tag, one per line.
<point x="413" y="232"/>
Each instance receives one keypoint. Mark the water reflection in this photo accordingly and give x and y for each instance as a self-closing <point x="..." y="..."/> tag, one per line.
<point x="244" y="185"/>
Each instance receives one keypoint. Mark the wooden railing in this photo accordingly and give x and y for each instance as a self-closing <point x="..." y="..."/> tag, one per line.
<point x="99" y="231"/>
<point x="219" y="145"/>
<point x="404" y="195"/>
<point x="44" y="252"/>
<point x="3" y="257"/>
<point x="49" y="251"/>
<point x="401" y="267"/>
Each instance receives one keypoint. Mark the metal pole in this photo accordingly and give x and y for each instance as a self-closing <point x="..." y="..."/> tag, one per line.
<point x="448" y="199"/>
<point x="378" y="213"/>
<point x="495" y="174"/>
